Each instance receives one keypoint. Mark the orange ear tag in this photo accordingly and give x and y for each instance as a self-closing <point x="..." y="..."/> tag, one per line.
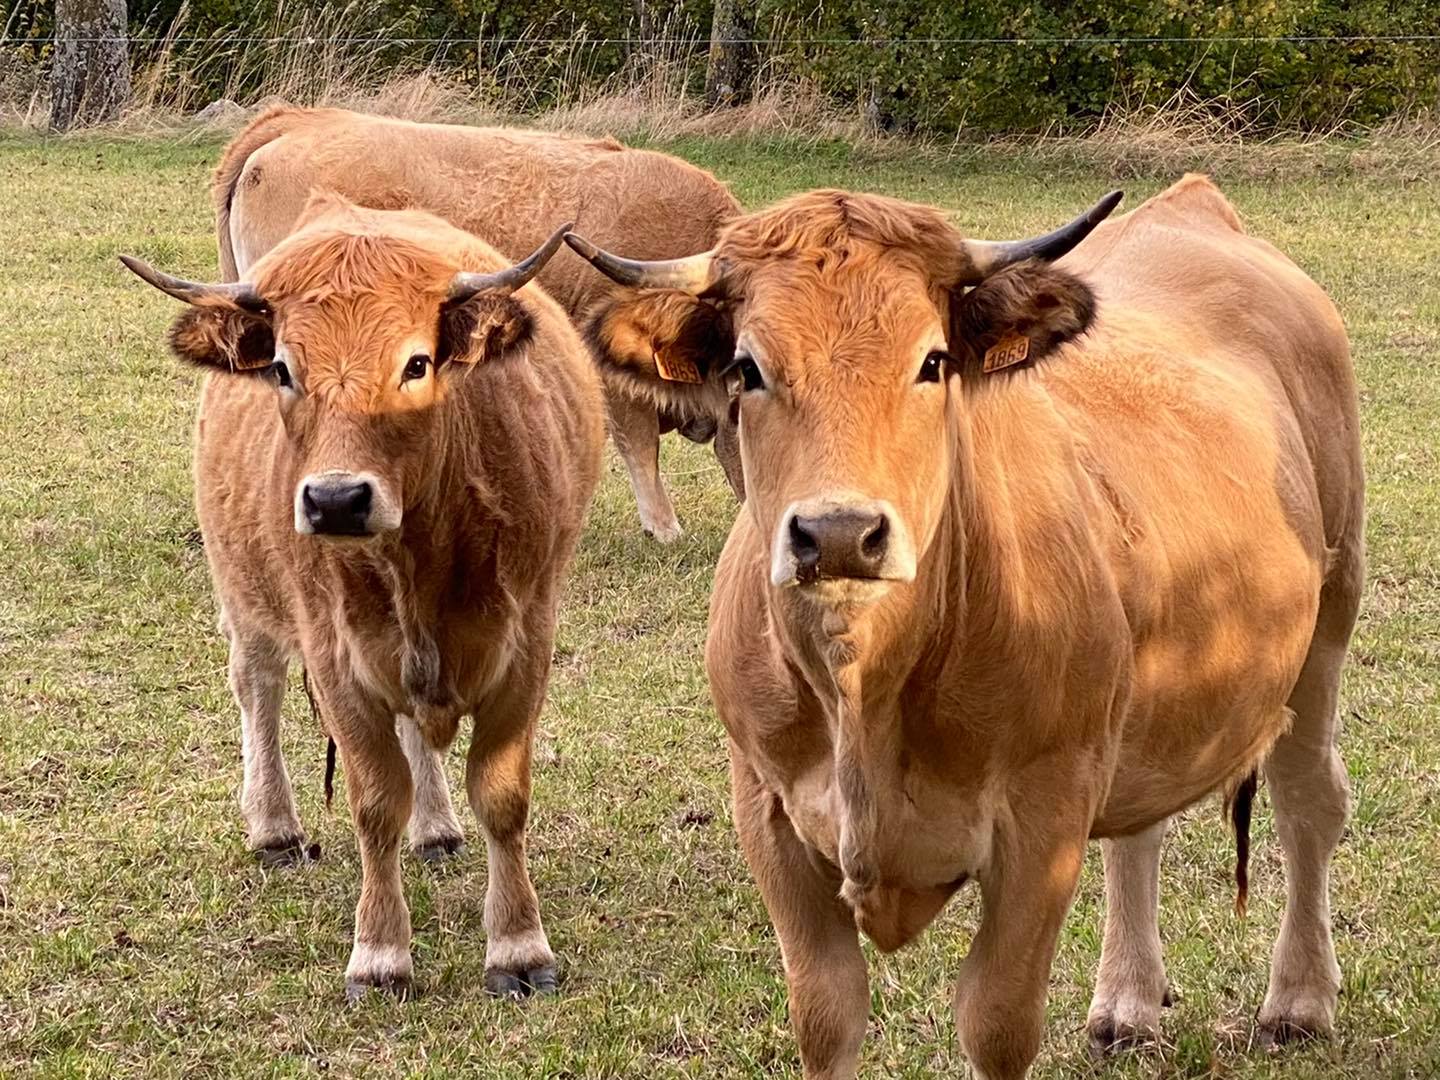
<point x="676" y="368"/>
<point x="1010" y="350"/>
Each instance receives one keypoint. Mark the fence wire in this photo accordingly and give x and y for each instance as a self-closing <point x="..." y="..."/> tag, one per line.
<point x="381" y="39"/>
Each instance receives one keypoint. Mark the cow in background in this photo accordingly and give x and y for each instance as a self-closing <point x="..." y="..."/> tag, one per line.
<point x="393" y="460"/>
<point x="506" y="186"/>
<point x="1037" y="547"/>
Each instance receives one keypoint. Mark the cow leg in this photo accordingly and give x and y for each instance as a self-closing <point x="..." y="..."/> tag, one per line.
<point x="819" y="945"/>
<point x="380" y="793"/>
<point x="1310" y="792"/>
<point x="434" y="829"/>
<point x="518" y="958"/>
<point x="635" y="427"/>
<point x="1000" y="994"/>
<point x="1130" y="988"/>
<point x="257" y="679"/>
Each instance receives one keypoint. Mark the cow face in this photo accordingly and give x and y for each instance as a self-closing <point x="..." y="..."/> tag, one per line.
<point x="360" y="333"/>
<point x="852" y="330"/>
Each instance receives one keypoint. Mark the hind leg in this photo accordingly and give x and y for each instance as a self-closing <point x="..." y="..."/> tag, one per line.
<point x="1310" y="791"/>
<point x="434" y="829"/>
<point x="635" y="427"/>
<point x="1131" y="987"/>
<point x="257" y="679"/>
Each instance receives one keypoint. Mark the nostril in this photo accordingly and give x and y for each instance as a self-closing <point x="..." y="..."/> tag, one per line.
<point x="802" y="542"/>
<point x="876" y="539"/>
<point x="358" y="502"/>
<point x="307" y="500"/>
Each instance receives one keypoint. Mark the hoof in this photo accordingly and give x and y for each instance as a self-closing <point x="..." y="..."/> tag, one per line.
<point x="1277" y="1033"/>
<point x="357" y="991"/>
<point x="287" y="853"/>
<point x="437" y="851"/>
<point x="666" y="534"/>
<point x="1108" y="1037"/>
<point x="519" y="984"/>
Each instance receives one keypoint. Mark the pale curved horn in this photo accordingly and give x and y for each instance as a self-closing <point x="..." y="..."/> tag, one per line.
<point x="988" y="256"/>
<point x="240" y="294"/>
<point x="693" y="274"/>
<point x="464" y="285"/>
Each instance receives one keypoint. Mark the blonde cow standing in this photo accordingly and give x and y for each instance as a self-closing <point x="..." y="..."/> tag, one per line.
<point x="972" y="615"/>
<point x="392" y="465"/>
<point x="509" y="187"/>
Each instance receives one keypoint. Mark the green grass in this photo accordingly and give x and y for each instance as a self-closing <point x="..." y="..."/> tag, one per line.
<point x="137" y="936"/>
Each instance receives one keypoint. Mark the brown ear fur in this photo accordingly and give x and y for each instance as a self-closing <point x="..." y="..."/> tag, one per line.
<point x="483" y="329"/>
<point x="223" y="337"/>
<point x="1032" y="299"/>
<point x="627" y="334"/>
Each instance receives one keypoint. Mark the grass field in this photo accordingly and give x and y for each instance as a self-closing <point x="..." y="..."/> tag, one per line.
<point x="138" y="937"/>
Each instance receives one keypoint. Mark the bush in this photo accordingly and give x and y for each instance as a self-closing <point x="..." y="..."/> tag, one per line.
<point x="909" y="64"/>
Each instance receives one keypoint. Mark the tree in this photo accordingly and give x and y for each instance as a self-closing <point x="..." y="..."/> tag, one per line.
<point x="90" y="77"/>
<point x="732" y="53"/>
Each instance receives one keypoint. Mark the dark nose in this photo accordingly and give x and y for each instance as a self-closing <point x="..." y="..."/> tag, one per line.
<point x="339" y="507"/>
<point x="840" y="543"/>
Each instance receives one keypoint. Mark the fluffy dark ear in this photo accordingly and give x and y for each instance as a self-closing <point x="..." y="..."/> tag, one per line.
<point x="226" y="338"/>
<point x="483" y="329"/>
<point x="662" y="343"/>
<point x="1019" y="316"/>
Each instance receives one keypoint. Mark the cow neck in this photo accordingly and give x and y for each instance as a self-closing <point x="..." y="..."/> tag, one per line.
<point x="415" y="565"/>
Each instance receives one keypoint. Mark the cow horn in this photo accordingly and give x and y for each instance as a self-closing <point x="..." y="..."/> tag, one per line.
<point x="693" y="274"/>
<point x="465" y="285"/>
<point x="989" y="256"/>
<point x="240" y="294"/>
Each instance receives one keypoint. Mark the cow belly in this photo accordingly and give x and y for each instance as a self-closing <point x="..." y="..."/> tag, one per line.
<point x="1183" y="742"/>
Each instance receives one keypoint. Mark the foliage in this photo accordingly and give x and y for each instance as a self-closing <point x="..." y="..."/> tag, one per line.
<point x="909" y="64"/>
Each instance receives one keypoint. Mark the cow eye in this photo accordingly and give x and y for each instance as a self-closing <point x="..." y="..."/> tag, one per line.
<point x="416" y="368"/>
<point x="749" y="373"/>
<point x="281" y="371"/>
<point x="933" y="367"/>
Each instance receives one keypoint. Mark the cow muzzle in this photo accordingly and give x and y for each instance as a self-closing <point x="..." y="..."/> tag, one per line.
<point x="344" y="504"/>
<point x="848" y="546"/>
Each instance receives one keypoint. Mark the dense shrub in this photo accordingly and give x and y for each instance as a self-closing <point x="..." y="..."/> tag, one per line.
<point x="912" y="64"/>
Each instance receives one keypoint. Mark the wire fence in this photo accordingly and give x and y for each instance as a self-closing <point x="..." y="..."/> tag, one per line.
<point x="770" y="42"/>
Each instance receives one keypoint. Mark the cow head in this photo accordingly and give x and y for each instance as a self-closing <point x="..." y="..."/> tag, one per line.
<point x="844" y="333"/>
<point x="360" y="322"/>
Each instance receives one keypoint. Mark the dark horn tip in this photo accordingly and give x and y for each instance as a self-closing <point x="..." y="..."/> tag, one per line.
<point x="1106" y="206"/>
<point x="582" y="247"/>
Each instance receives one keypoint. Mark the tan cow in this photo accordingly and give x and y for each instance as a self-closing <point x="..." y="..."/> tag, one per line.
<point x="506" y="186"/>
<point x="1031" y="553"/>
<point x="391" y="470"/>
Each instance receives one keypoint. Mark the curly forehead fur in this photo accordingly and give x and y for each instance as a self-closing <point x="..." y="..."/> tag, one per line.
<point x="316" y="265"/>
<point x="827" y="226"/>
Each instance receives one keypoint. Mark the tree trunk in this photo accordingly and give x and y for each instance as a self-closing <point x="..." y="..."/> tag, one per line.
<point x="732" y="54"/>
<point x="90" y="77"/>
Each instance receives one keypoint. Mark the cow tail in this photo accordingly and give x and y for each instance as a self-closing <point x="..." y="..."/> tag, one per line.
<point x="1240" y="805"/>
<point x="329" y="772"/>
<point x="329" y="739"/>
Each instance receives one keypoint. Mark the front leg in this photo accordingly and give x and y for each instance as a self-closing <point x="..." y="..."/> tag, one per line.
<point x="1025" y="893"/>
<point x="819" y="944"/>
<point x="379" y="790"/>
<point x="518" y="959"/>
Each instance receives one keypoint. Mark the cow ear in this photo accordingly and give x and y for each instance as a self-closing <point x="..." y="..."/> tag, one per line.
<point x="483" y="328"/>
<point x="223" y="338"/>
<point x="664" y="344"/>
<point x="1018" y="317"/>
